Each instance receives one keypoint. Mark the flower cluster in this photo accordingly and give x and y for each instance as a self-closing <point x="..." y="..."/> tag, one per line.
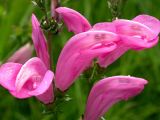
<point x="105" y="42"/>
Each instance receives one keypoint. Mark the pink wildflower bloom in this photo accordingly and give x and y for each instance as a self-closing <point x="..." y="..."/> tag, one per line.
<point x="39" y="41"/>
<point x="137" y="34"/>
<point x="74" y="20"/>
<point x="27" y="80"/>
<point x="22" y="55"/>
<point x="76" y="56"/>
<point x="78" y="53"/>
<point x="33" y="78"/>
<point x="109" y="91"/>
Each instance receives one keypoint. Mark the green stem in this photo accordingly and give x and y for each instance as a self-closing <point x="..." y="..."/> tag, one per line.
<point x="102" y="118"/>
<point x="78" y="94"/>
<point x="93" y="72"/>
<point x="50" y="49"/>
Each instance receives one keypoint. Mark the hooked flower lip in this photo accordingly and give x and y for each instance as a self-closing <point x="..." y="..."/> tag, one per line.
<point x="109" y="91"/>
<point x="31" y="79"/>
<point x="74" y="20"/>
<point x="139" y="33"/>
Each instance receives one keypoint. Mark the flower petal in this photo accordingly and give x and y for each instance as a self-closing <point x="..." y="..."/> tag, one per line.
<point x="78" y="53"/>
<point x="39" y="41"/>
<point x="106" y="26"/>
<point x="8" y="74"/>
<point x="151" y="22"/>
<point x="19" y="57"/>
<point x="134" y="29"/>
<point x="135" y="34"/>
<point x="109" y="91"/>
<point x="138" y="43"/>
<point x="47" y="97"/>
<point x="34" y="80"/>
<point x="74" y="20"/>
<point x="44" y="91"/>
<point x="30" y="74"/>
<point x="111" y="57"/>
<point x="32" y="68"/>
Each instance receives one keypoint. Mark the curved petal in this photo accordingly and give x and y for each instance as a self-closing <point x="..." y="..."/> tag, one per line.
<point x="78" y="53"/>
<point x="134" y="29"/>
<point x="44" y="92"/>
<point x="8" y="74"/>
<point x="22" y="55"/>
<point x="33" y="70"/>
<point x="39" y="41"/>
<point x="44" y="85"/>
<point x="109" y="91"/>
<point x="136" y="34"/>
<point x="138" y="43"/>
<point x="47" y="97"/>
<point x="74" y="20"/>
<point x="140" y="35"/>
<point x="106" y="26"/>
<point x="151" y="22"/>
<point x="109" y="58"/>
<point x="20" y="94"/>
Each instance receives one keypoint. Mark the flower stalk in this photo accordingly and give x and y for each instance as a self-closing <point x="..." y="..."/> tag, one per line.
<point x="115" y="7"/>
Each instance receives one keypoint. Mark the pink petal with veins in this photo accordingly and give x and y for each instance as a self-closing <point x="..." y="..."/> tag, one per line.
<point x="39" y="41"/>
<point x="106" y="92"/>
<point x="133" y="29"/>
<point x="79" y="52"/>
<point x="106" y="59"/>
<point x="74" y="20"/>
<point x="8" y="74"/>
<point x="44" y="91"/>
<point x="22" y="55"/>
<point x="33" y="70"/>
<point x="151" y="22"/>
<point x="31" y="79"/>
<point x="138" y="43"/>
<point x="106" y="26"/>
<point x="140" y="33"/>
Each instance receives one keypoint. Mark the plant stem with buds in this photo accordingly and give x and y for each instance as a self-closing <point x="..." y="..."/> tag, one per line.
<point x="115" y="8"/>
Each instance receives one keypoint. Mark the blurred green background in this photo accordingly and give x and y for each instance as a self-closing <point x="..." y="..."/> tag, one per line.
<point x="15" y="30"/>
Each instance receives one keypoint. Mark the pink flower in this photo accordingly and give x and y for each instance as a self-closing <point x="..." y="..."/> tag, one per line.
<point x="74" y="20"/>
<point x="22" y="55"/>
<point x="41" y="48"/>
<point x="109" y="91"/>
<point x="137" y="34"/>
<point x="33" y="78"/>
<point x="27" y="80"/>
<point x="39" y="41"/>
<point x="78" y="53"/>
<point x="104" y="41"/>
